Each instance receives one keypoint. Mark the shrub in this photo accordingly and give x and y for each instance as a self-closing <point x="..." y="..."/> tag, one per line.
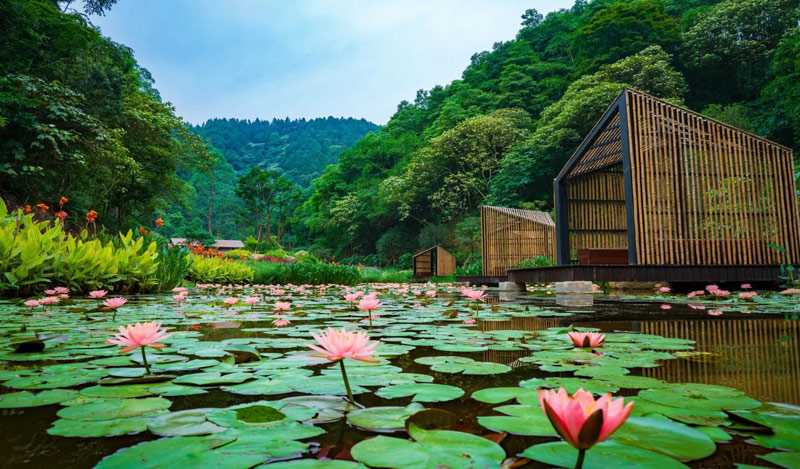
<point x="35" y="255"/>
<point x="385" y="276"/>
<point x="393" y="244"/>
<point x="238" y="254"/>
<point x="173" y="267"/>
<point x="470" y="269"/>
<point x="539" y="261"/>
<point x="300" y="273"/>
<point x="406" y="261"/>
<point x="215" y="270"/>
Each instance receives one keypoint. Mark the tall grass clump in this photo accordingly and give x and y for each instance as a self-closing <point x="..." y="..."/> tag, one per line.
<point x="386" y="275"/>
<point x="300" y="273"/>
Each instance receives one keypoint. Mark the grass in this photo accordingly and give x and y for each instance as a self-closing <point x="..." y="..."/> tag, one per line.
<point x="385" y="275"/>
<point x="300" y="273"/>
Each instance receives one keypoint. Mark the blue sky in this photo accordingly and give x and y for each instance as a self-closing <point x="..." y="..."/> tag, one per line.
<point x="307" y="58"/>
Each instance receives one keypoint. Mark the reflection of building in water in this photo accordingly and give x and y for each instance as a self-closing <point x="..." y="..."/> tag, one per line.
<point x="758" y="356"/>
<point x="510" y="357"/>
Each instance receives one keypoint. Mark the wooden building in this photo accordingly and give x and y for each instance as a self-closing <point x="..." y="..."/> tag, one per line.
<point x="510" y="236"/>
<point x="434" y="262"/>
<point x="658" y="184"/>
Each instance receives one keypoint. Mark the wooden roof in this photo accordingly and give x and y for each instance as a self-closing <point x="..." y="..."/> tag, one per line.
<point x="532" y="215"/>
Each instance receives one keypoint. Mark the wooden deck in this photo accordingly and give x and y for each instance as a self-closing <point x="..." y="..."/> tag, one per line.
<point x="648" y="273"/>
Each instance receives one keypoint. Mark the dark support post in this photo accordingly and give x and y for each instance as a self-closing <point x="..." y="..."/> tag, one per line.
<point x="562" y="222"/>
<point x="628" y="177"/>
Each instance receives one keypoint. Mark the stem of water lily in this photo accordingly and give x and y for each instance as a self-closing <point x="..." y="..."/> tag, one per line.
<point x="144" y="361"/>
<point x="370" y="319"/>
<point x="581" y="455"/>
<point x="346" y="382"/>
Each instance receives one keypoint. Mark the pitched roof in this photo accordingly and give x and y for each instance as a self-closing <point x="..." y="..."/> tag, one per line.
<point x="532" y="215"/>
<point x="228" y="243"/>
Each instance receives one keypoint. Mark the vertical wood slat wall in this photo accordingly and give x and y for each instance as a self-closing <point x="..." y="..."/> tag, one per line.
<point x="705" y="192"/>
<point x="597" y="216"/>
<point x="445" y="262"/>
<point x="510" y="236"/>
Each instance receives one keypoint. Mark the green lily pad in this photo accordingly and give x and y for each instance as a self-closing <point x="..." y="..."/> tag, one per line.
<point x="787" y="460"/>
<point x="498" y="395"/>
<point x="383" y="418"/>
<point x="98" y="428"/>
<point x="432" y="448"/>
<point x="190" y="422"/>
<point x="314" y="464"/>
<point x="27" y="399"/>
<point x="601" y="456"/>
<point x="422" y="392"/>
<point x="123" y="391"/>
<point x="672" y="439"/>
<point x="115" y="409"/>
<point x="700" y="397"/>
<point x="213" y="377"/>
<point x="571" y="385"/>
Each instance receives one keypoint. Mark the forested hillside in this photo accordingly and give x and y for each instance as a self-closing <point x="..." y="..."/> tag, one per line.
<point x="501" y="132"/>
<point x="300" y="149"/>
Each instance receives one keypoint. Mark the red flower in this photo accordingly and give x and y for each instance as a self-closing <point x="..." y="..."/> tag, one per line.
<point x="159" y="222"/>
<point x="62" y="201"/>
<point x="26" y="209"/>
<point x="142" y="231"/>
<point x="91" y="216"/>
<point x="43" y="207"/>
<point x="62" y="215"/>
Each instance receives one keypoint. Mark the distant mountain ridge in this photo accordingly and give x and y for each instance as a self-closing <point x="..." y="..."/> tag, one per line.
<point x="298" y="148"/>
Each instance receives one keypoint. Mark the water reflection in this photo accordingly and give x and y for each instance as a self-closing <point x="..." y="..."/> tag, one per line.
<point x="759" y="356"/>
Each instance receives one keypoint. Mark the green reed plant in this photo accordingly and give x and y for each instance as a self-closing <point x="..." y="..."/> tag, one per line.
<point x="300" y="273"/>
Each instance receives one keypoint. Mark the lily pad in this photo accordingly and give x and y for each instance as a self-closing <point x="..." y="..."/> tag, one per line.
<point x="498" y="395"/>
<point x="422" y="392"/>
<point x="190" y="422"/>
<point x="383" y="418"/>
<point x="98" y="428"/>
<point x="27" y="399"/>
<point x="601" y="456"/>
<point x="700" y="397"/>
<point x="672" y="439"/>
<point x="115" y="409"/>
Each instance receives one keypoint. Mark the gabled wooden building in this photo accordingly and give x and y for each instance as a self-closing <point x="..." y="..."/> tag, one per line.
<point x="510" y="236"/>
<point x="434" y="262"/>
<point x="673" y="187"/>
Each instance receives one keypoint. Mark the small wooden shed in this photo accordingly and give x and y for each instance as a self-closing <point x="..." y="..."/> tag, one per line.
<point x="510" y="236"/>
<point x="668" y="186"/>
<point x="434" y="262"/>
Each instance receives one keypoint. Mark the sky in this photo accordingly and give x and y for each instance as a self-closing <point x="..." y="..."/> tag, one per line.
<point x="307" y="58"/>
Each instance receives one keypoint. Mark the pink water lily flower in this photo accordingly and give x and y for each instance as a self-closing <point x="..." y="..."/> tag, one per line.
<point x="666" y="306"/>
<point x="179" y="298"/>
<point x="372" y="295"/>
<point x="230" y="301"/>
<point x="50" y="292"/>
<point x="114" y="303"/>
<point x="581" y="420"/>
<point x="32" y="303"/>
<point x="474" y="295"/>
<point x="719" y="292"/>
<point x="431" y="293"/>
<point x="282" y="306"/>
<point x="369" y="304"/>
<point x="746" y="286"/>
<point x="98" y="293"/>
<point x="339" y="344"/>
<point x="715" y="313"/>
<point x="280" y="322"/>
<point x="61" y="290"/>
<point x="745" y="295"/>
<point x="469" y="321"/>
<point x="146" y="334"/>
<point x="49" y="300"/>
<point x="665" y="289"/>
<point x="352" y="297"/>
<point x="587" y="339"/>
<point x="252" y="300"/>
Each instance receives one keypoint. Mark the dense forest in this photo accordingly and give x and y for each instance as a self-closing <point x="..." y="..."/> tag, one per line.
<point x="80" y="118"/>
<point x="300" y="149"/>
<point x="501" y="132"/>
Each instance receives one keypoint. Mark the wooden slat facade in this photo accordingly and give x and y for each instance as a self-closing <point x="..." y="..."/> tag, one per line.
<point x="675" y="187"/>
<point x="434" y="262"/>
<point x="510" y="236"/>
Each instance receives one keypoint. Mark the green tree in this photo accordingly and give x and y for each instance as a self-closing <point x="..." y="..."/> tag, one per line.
<point x="259" y="190"/>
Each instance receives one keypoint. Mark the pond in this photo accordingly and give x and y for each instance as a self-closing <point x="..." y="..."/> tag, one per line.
<point x="231" y="389"/>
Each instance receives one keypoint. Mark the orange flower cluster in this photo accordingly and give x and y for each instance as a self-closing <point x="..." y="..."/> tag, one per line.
<point x="27" y="209"/>
<point x="142" y="231"/>
<point x="44" y="208"/>
<point x="159" y="222"/>
<point x="201" y="250"/>
<point x="91" y="216"/>
<point x="61" y="215"/>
